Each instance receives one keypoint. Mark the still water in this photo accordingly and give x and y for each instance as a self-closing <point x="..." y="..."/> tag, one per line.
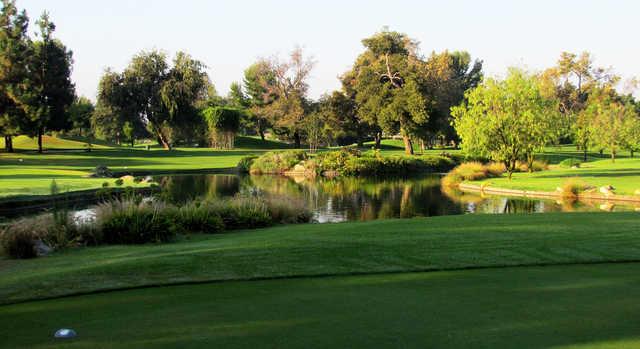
<point x="358" y="199"/>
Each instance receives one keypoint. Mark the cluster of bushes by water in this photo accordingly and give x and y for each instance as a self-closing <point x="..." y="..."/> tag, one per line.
<point x="476" y="170"/>
<point x="137" y="221"/>
<point x="347" y="162"/>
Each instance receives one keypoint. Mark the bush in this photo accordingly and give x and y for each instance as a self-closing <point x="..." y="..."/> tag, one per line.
<point x="51" y="231"/>
<point x="472" y="171"/>
<point x="244" y="165"/>
<point x="197" y="218"/>
<point x="102" y="171"/>
<point x="570" y="162"/>
<point x="573" y="187"/>
<point x="119" y="182"/>
<point x="18" y="243"/>
<point x="496" y="169"/>
<point x="128" y="222"/>
<point x="536" y="166"/>
<point x="285" y="211"/>
<point x="277" y="162"/>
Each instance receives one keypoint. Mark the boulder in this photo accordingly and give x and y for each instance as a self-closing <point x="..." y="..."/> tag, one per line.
<point x="42" y="249"/>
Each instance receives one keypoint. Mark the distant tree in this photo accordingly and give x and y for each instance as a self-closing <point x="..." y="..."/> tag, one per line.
<point x="387" y="85"/>
<point x="223" y="124"/>
<point x="340" y="115"/>
<point x="259" y="86"/>
<point x="15" y="51"/>
<point x="445" y="78"/>
<point x="52" y="90"/>
<point x="165" y="99"/>
<point x="79" y="114"/>
<point x="287" y="94"/>
<point x="614" y="122"/>
<point x="506" y="120"/>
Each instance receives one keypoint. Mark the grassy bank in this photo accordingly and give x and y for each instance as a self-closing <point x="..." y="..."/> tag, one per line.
<point x="332" y="249"/>
<point x="623" y="175"/>
<point x="29" y="173"/>
<point x="593" y="306"/>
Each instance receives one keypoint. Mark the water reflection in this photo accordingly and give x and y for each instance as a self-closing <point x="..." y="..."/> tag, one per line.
<point x="357" y="199"/>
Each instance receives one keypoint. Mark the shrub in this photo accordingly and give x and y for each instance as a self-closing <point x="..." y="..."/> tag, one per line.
<point x="197" y="218"/>
<point x="570" y="162"/>
<point x="573" y="187"/>
<point x="284" y="211"/>
<point x="277" y="162"/>
<point x="241" y="213"/>
<point x="18" y="243"/>
<point x="119" y="182"/>
<point x="244" y="165"/>
<point x="471" y="171"/>
<point x="105" y="184"/>
<point x="128" y="222"/>
<point x="536" y="166"/>
<point x="102" y="171"/>
<point x="496" y="169"/>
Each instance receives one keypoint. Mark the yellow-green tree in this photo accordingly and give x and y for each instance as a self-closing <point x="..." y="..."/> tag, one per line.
<point x="506" y="120"/>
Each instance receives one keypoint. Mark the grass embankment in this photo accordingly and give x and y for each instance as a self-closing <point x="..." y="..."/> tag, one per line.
<point x="560" y="306"/>
<point x="437" y="243"/>
<point x="29" y="173"/>
<point x="623" y="174"/>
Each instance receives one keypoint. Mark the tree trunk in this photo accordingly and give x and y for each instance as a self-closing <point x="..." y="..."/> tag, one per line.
<point x="261" y="133"/>
<point x="631" y="151"/>
<point x="585" y="154"/>
<point x="133" y="142"/>
<point x="8" y="144"/>
<point x="163" y="141"/>
<point x="408" y="146"/>
<point x="359" y="140"/>
<point x="296" y="140"/>
<point x="40" y="141"/>
<point x="378" y="139"/>
<point x="613" y="155"/>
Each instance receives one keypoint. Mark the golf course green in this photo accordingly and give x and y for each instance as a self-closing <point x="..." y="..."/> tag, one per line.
<point x="482" y="281"/>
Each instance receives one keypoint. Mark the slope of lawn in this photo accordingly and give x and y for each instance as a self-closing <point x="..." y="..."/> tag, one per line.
<point x="49" y="142"/>
<point x="30" y="173"/>
<point x="421" y="244"/>
<point x="624" y="175"/>
<point x="578" y="306"/>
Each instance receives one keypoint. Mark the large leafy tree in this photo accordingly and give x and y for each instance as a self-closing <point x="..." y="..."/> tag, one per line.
<point x="507" y="120"/>
<point x="152" y="93"/>
<point x="52" y="91"/>
<point x="15" y="51"/>
<point x="387" y="83"/>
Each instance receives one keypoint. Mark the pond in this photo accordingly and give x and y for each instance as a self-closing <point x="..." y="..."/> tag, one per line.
<point x="361" y="199"/>
<point x="349" y="199"/>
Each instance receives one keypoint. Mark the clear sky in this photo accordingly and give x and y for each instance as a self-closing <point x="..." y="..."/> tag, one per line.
<point x="229" y="35"/>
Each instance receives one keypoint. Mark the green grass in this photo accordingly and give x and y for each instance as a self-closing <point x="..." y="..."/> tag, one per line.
<point x="421" y="244"/>
<point x="356" y="285"/>
<point x="30" y="173"/>
<point x="31" y="143"/>
<point x="624" y="175"/>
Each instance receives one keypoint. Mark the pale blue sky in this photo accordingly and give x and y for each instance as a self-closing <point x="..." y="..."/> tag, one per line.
<point x="230" y="35"/>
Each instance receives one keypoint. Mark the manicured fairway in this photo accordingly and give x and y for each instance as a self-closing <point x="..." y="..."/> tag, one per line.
<point x="580" y="306"/>
<point x="422" y="244"/>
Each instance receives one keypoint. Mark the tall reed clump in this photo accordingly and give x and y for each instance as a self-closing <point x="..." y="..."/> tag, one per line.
<point x="131" y="222"/>
<point x="135" y="221"/>
<point x="472" y="171"/>
<point x="573" y="187"/>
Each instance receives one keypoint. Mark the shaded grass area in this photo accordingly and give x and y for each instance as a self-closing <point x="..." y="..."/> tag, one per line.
<point x="580" y="306"/>
<point x="421" y="244"/>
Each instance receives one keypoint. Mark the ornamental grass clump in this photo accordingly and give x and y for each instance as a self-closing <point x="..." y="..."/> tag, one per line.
<point x="573" y="187"/>
<point x="131" y="222"/>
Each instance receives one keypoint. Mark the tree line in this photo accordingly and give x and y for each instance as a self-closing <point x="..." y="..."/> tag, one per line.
<point x="392" y="89"/>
